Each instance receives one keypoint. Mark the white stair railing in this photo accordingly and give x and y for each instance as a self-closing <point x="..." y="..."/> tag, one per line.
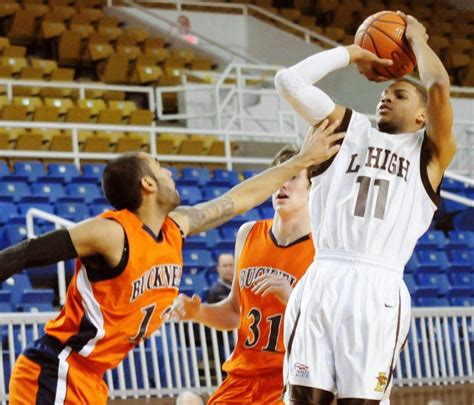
<point x="186" y="355"/>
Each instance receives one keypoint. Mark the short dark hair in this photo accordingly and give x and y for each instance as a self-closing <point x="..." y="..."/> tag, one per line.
<point x="287" y="153"/>
<point x="121" y="181"/>
<point x="420" y="90"/>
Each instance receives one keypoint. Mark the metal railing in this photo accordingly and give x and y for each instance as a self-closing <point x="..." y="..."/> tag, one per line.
<point x="186" y="355"/>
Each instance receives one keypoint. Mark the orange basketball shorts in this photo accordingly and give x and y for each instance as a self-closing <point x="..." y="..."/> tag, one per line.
<point x="49" y="373"/>
<point x="255" y="390"/>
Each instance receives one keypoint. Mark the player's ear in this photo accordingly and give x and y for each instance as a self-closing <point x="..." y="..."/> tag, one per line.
<point x="148" y="184"/>
<point x="421" y="116"/>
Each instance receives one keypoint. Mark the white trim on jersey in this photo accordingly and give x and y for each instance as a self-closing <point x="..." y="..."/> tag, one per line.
<point x="63" y="369"/>
<point x="91" y="309"/>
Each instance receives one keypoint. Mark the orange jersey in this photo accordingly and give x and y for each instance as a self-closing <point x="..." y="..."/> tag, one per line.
<point x="260" y="347"/>
<point x="107" y="314"/>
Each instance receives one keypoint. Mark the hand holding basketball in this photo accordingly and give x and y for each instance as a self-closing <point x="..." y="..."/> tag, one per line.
<point x="384" y="34"/>
<point x="367" y="61"/>
<point x="414" y="29"/>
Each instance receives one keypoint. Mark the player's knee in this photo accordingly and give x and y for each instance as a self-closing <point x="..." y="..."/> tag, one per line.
<point x="301" y="395"/>
<point x="357" y="401"/>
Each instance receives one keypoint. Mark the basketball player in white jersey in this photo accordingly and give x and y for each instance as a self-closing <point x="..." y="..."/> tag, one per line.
<point x="349" y="316"/>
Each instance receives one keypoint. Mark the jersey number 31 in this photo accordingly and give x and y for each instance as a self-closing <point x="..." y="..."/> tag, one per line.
<point x="272" y="341"/>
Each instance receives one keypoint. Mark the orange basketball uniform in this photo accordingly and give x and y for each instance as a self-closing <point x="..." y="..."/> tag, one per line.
<point x="107" y="313"/>
<point x="255" y="367"/>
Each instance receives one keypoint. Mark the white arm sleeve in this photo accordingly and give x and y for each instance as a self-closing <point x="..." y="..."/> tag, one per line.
<point x="295" y="84"/>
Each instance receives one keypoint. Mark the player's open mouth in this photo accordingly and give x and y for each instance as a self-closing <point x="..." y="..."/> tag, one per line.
<point x="282" y="196"/>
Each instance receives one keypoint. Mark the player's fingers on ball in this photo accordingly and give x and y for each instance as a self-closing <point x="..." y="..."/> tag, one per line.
<point x="401" y="14"/>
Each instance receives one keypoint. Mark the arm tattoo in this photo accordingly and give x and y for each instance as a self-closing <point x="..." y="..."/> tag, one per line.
<point x="209" y="214"/>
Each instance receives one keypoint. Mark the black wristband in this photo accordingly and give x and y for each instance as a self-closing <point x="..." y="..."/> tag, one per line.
<point x="50" y="248"/>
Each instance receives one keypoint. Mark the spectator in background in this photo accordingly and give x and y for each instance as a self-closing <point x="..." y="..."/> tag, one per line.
<point x="221" y="288"/>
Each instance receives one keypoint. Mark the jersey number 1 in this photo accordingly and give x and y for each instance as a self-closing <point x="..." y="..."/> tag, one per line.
<point x="274" y="321"/>
<point x="363" y="194"/>
<point x="143" y="328"/>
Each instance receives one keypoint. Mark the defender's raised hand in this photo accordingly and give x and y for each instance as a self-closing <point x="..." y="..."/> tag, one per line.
<point x="320" y="143"/>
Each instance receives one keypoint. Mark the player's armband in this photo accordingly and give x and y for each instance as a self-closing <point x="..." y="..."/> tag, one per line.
<point x="50" y="248"/>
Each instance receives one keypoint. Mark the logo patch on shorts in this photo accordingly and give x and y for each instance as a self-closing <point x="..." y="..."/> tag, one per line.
<point x="381" y="382"/>
<point x="301" y="370"/>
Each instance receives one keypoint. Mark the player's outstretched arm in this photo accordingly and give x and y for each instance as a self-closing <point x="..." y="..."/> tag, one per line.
<point x="223" y="315"/>
<point x="296" y="83"/>
<point x="95" y="236"/>
<point x="439" y="119"/>
<point x="319" y="146"/>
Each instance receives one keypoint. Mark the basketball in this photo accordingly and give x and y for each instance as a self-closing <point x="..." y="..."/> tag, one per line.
<point x="383" y="33"/>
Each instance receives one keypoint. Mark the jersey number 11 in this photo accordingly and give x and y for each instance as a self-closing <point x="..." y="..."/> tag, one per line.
<point x="361" y="202"/>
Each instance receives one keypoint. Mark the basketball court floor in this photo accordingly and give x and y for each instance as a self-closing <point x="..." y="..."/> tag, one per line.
<point x="460" y="394"/>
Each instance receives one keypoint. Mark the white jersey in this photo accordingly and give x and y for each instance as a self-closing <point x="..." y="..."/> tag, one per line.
<point x="374" y="199"/>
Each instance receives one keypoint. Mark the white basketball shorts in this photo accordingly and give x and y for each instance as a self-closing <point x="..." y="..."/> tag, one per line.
<point x="345" y="324"/>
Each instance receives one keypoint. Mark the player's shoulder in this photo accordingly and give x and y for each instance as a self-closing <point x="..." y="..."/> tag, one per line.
<point x="245" y="229"/>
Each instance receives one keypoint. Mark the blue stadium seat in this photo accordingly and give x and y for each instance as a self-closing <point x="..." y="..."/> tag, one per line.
<point x="226" y="177"/>
<point x="40" y="203"/>
<point x="97" y="209"/>
<point x="436" y="280"/>
<point x="7" y="210"/>
<point x="4" y="169"/>
<point x="16" y="285"/>
<point x="465" y="220"/>
<point x="211" y="275"/>
<point x="213" y="192"/>
<point x="65" y="170"/>
<point x="228" y="232"/>
<point x="189" y="195"/>
<point x="93" y="170"/>
<point x="451" y="206"/>
<point x="87" y="191"/>
<point x="462" y="261"/>
<point x="410" y="283"/>
<point x="469" y="193"/>
<point x="462" y="280"/>
<point x="32" y="170"/>
<point x="37" y="300"/>
<point x="452" y="185"/>
<point x="432" y="240"/>
<point x="203" y="240"/>
<point x="266" y="212"/>
<point x="195" y="260"/>
<point x="52" y="191"/>
<point x="252" y="215"/>
<point x="13" y="190"/>
<point x="461" y="240"/>
<point x="72" y="209"/>
<point x="13" y="233"/>
<point x="428" y="297"/>
<point x="200" y="175"/>
<point x="5" y="301"/>
<point x="249" y="173"/>
<point x="432" y="262"/>
<point x="174" y="172"/>
<point x="194" y="282"/>
<point x="413" y="264"/>
<point x="461" y="296"/>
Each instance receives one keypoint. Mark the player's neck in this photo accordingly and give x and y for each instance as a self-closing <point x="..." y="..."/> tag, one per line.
<point x="152" y="218"/>
<point x="291" y="227"/>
